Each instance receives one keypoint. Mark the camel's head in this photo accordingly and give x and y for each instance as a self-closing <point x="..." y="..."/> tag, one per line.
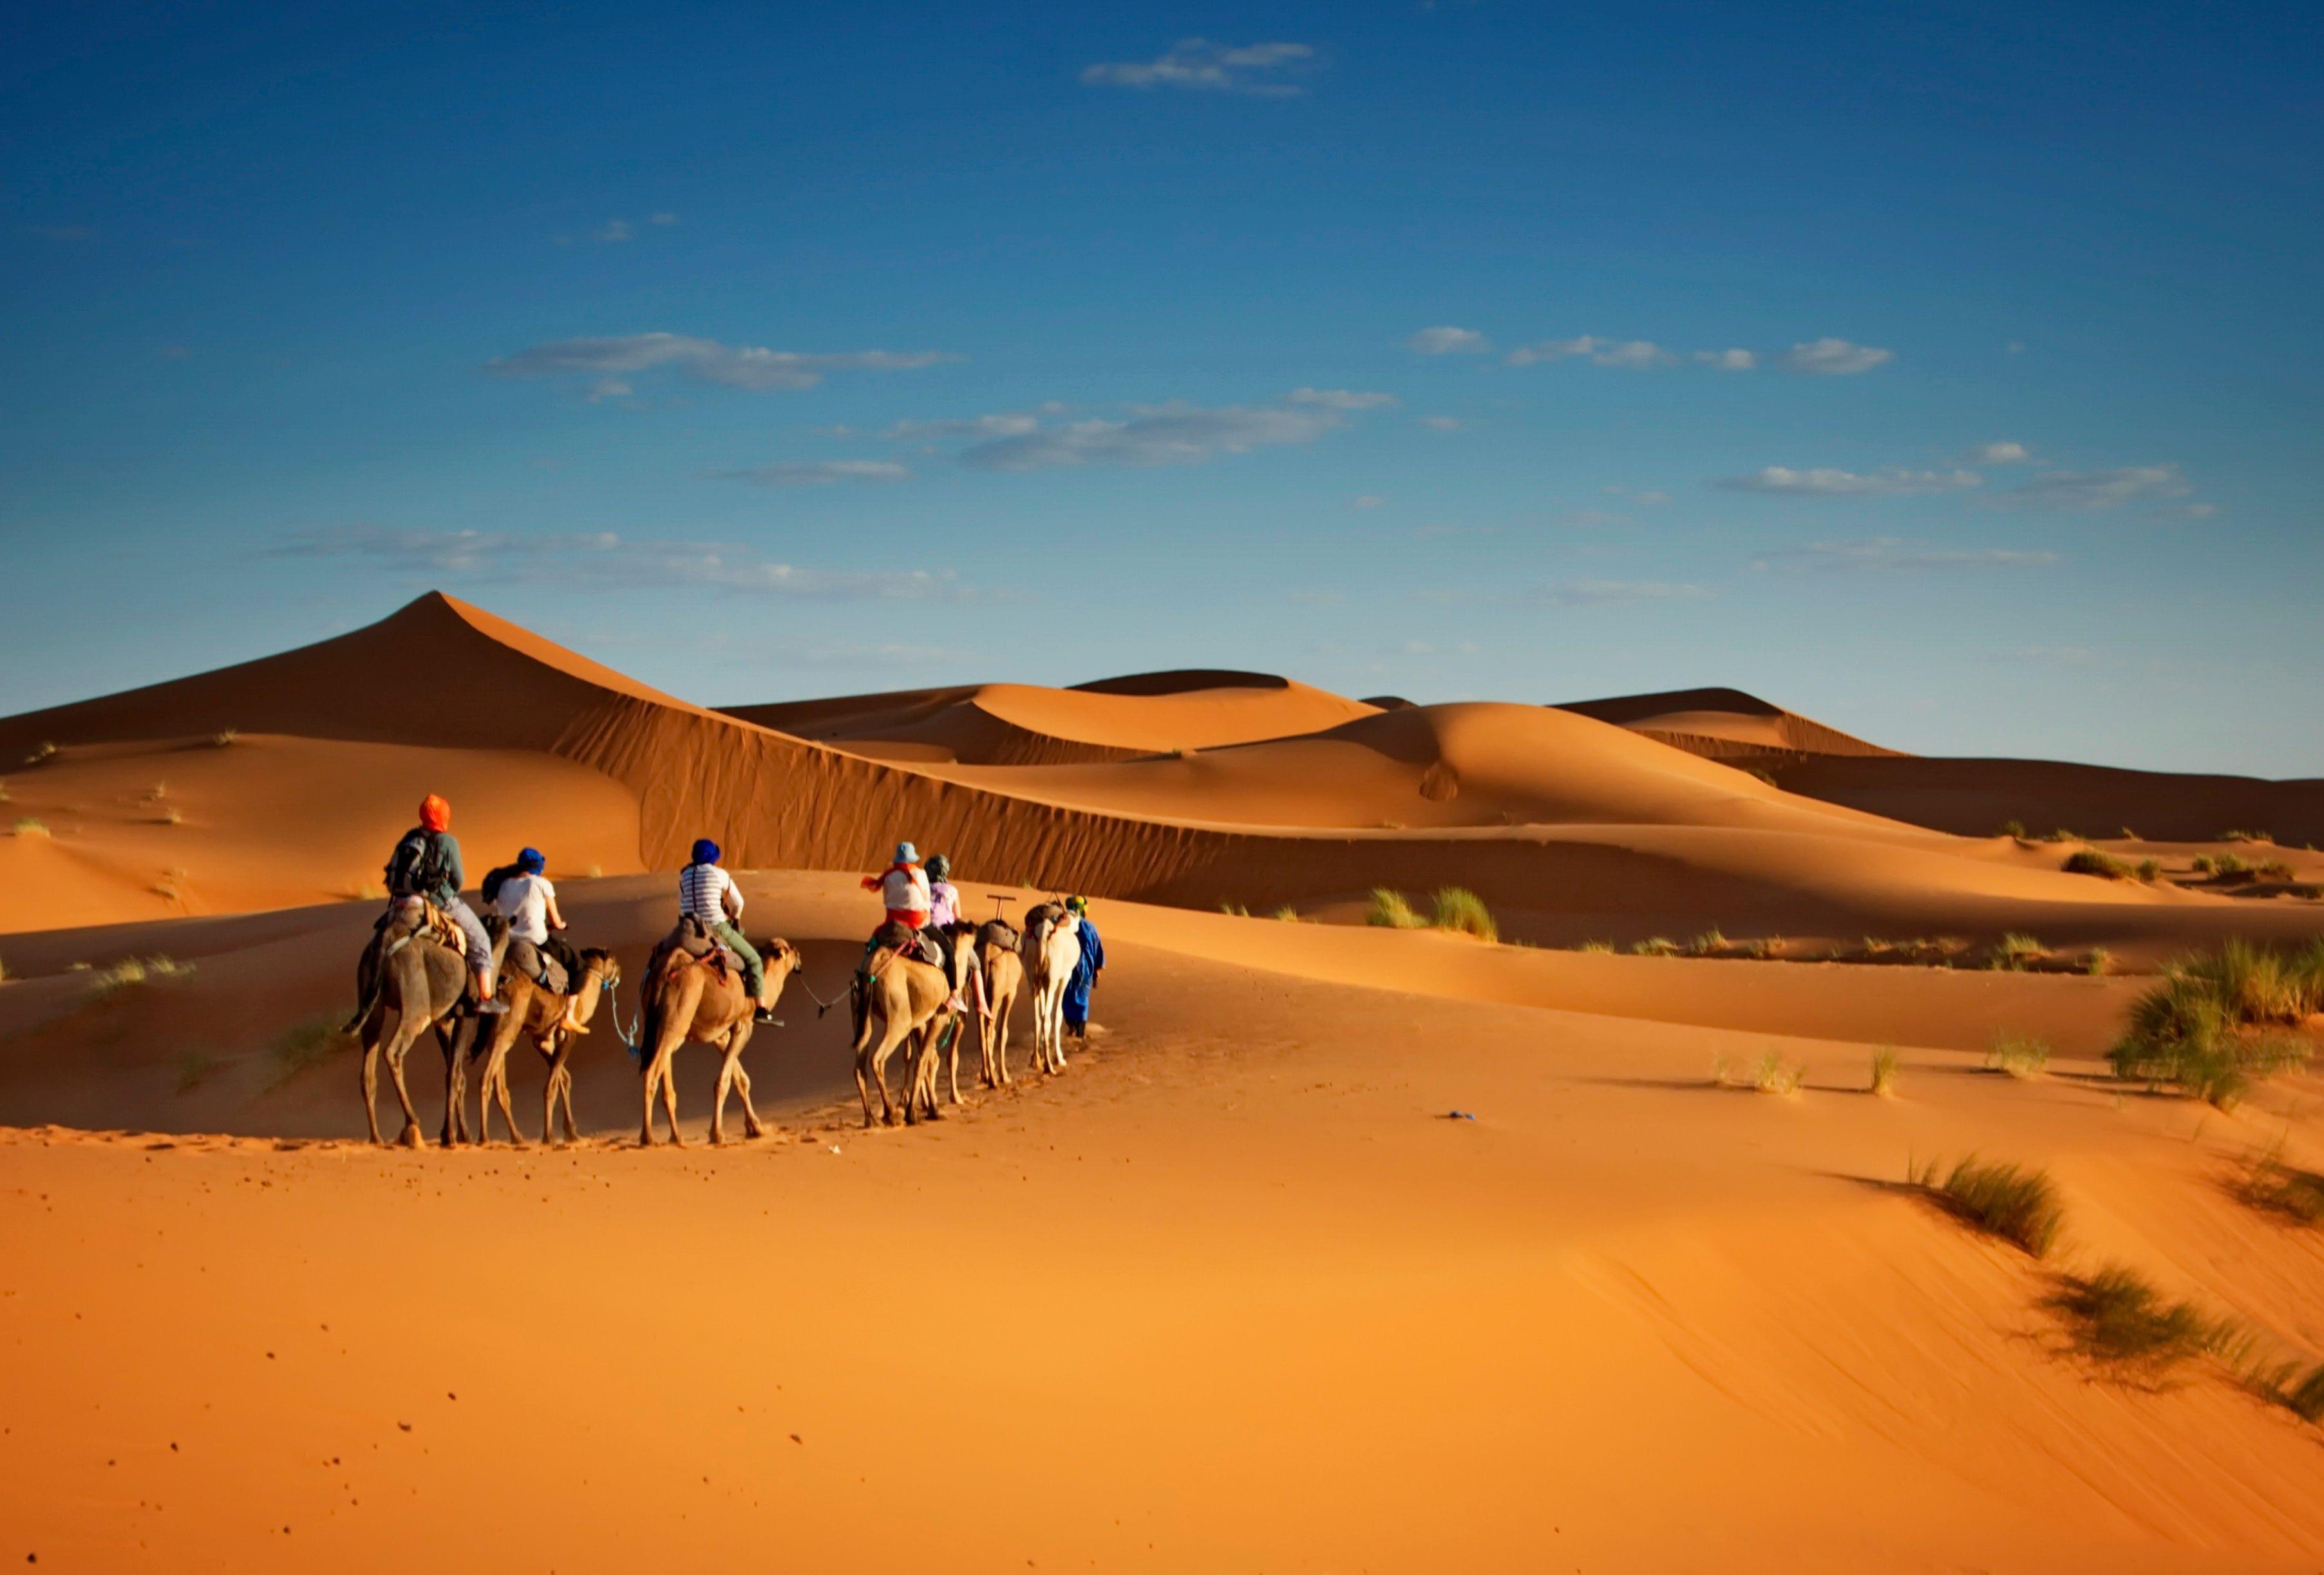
<point x="604" y="965"/>
<point x="777" y="953"/>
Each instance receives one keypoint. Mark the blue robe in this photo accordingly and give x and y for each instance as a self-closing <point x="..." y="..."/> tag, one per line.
<point x="1078" y="992"/>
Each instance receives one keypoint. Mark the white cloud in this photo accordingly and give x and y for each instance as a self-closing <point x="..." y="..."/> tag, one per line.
<point x="603" y="561"/>
<point x="1608" y="593"/>
<point x="1197" y="65"/>
<point x="1887" y="554"/>
<point x="1156" y="434"/>
<point x="613" y="230"/>
<point x="2082" y="490"/>
<point x="997" y="424"/>
<point x="1998" y="454"/>
<point x="819" y="473"/>
<point x="2188" y="511"/>
<point x="755" y="369"/>
<point x="1835" y="357"/>
<point x="1366" y="501"/>
<point x="609" y="388"/>
<point x="1630" y="352"/>
<point x="1441" y="423"/>
<point x="1728" y="360"/>
<point x="1338" y="399"/>
<point x="1448" y="342"/>
<point x="1825" y="482"/>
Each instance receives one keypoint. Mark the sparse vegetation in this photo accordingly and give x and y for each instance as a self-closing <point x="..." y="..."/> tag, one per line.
<point x="2304" y="1397"/>
<point x="2269" y="1183"/>
<point x="1234" y="910"/>
<point x="1707" y="942"/>
<point x="2092" y="861"/>
<point x="1288" y="914"/>
<point x="2120" y="1320"/>
<point x="2098" y="962"/>
<point x="1462" y="911"/>
<point x="2013" y="828"/>
<point x="4" y="792"/>
<point x="165" y="888"/>
<point x="2127" y="834"/>
<point x="2018" y="1055"/>
<point x="1655" y="946"/>
<point x="1596" y="947"/>
<point x="134" y="971"/>
<point x="2061" y="835"/>
<point x="194" y="1068"/>
<point x="1886" y="1063"/>
<point x="173" y="815"/>
<point x="43" y="751"/>
<point x="1775" y="1075"/>
<point x="2246" y="836"/>
<point x="2017" y="1203"/>
<point x="4" y="971"/>
<point x="1391" y="910"/>
<point x="226" y="736"/>
<point x="2273" y="870"/>
<point x="2226" y="867"/>
<point x="1762" y="948"/>
<point x="2015" y="953"/>
<point x="307" y="1044"/>
<point x="2208" y="1027"/>
<point x="26" y="826"/>
<point x="2149" y="871"/>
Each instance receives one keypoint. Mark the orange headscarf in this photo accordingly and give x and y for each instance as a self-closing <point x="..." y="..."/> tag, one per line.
<point x="435" y="813"/>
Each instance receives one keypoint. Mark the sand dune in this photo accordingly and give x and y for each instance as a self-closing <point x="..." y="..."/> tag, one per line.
<point x="1724" y="725"/>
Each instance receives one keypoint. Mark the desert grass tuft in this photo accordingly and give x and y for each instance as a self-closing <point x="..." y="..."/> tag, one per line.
<point x="2092" y="861"/>
<point x="134" y="971"/>
<point x="1775" y="1075"/>
<point x="1288" y="914"/>
<point x="1707" y="942"/>
<point x="365" y="891"/>
<point x="1234" y="910"/>
<point x="2120" y="1320"/>
<point x="26" y="826"/>
<point x="4" y="971"/>
<point x="225" y="736"/>
<point x="1655" y="946"/>
<point x="1462" y="911"/>
<point x="1598" y="948"/>
<point x="2018" y="1055"/>
<point x="1762" y="948"/>
<point x="307" y="1044"/>
<point x="173" y="815"/>
<point x="1886" y="1063"/>
<point x="2013" y="828"/>
<point x="43" y="751"/>
<point x="2246" y="836"/>
<point x="2303" y="1396"/>
<point x="2269" y="1183"/>
<point x="2015" y="953"/>
<point x="2149" y="871"/>
<point x="2063" y="835"/>
<point x="2017" y="1204"/>
<point x="2212" y="1025"/>
<point x="1392" y="910"/>
<point x="2098" y="962"/>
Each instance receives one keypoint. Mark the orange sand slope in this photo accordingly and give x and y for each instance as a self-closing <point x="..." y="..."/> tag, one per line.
<point x="1232" y="1293"/>
<point x="1724" y="725"/>
<point x="1569" y="826"/>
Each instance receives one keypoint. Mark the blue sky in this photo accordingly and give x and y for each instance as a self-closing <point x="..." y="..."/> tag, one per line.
<point x="1948" y="372"/>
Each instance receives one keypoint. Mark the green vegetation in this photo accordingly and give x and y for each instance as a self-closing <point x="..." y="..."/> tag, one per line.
<point x="2098" y="962"/>
<point x="2018" y="1055"/>
<point x="2273" y="870"/>
<point x="1707" y="942"/>
<point x="2246" y="836"/>
<point x="2013" y="828"/>
<point x="134" y="971"/>
<point x="2121" y="1321"/>
<point x="2267" y="1183"/>
<point x="2063" y="835"/>
<point x="2015" y="953"/>
<point x="1655" y="946"/>
<point x="2014" y="1203"/>
<point x="1288" y="914"/>
<point x="1462" y="911"/>
<point x="2149" y="870"/>
<point x="2208" y="1027"/>
<point x="26" y="826"/>
<point x="1885" y="1065"/>
<point x="2092" y="861"/>
<point x="2127" y="834"/>
<point x="1775" y="1075"/>
<point x="2223" y="866"/>
<point x="1234" y="910"/>
<point x="1391" y="911"/>
<point x="307" y="1044"/>
<point x="1596" y="948"/>
<point x="1762" y="948"/>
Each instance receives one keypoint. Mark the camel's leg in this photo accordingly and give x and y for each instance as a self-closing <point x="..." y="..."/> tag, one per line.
<point x="661" y="1079"/>
<point x="455" y="1082"/>
<point x="371" y="1082"/>
<point x="869" y="1066"/>
<point x="406" y="1032"/>
<point x="670" y="1096"/>
<point x="495" y="1057"/>
<point x="751" y="1126"/>
<point x="565" y="1090"/>
<point x="889" y="1037"/>
<point x="501" y="1093"/>
<point x="954" y="1033"/>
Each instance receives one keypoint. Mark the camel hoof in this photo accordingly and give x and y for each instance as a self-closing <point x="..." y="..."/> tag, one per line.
<point x="411" y="1138"/>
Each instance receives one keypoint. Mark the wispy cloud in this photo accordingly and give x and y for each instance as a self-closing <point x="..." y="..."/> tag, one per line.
<point x="1835" y="357"/>
<point x="997" y="424"/>
<point x="604" y="561"/>
<point x="748" y="367"/>
<point x="2085" y="490"/>
<point x="1728" y="360"/>
<point x="1631" y="352"/>
<point x="1259" y="71"/>
<point x="1339" y="399"/>
<point x="1609" y="592"/>
<point x="1888" y="554"/>
<point x="1826" y="483"/>
<point x="1441" y="423"/>
<point x="613" y="230"/>
<point x="817" y="473"/>
<point x="2002" y="453"/>
<point x="1366" y="501"/>
<point x="1448" y="342"/>
<point x="1157" y="435"/>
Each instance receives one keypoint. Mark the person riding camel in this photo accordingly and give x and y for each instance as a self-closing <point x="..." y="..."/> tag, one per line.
<point x="706" y="892"/>
<point x="903" y="886"/>
<point x="427" y="863"/>
<point x="528" y="901"/>
<point x="1086" y="973"/>
<point x="943" y="912"/>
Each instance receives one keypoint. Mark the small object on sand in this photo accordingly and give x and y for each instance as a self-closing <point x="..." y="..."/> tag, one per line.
<point x="1459" y="1115"/>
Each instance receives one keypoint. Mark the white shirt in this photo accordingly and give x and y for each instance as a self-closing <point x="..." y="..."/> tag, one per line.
<point x="523" y="901"/>
<point x="702" y="891"/>
<point x="905" y="889"/>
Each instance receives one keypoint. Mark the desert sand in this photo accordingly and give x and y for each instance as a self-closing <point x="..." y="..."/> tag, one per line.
<point x="1339" y="1248"/>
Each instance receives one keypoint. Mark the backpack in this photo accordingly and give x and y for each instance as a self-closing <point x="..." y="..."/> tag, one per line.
<point x="414" y="866"/>
<point x="495" y="878"/>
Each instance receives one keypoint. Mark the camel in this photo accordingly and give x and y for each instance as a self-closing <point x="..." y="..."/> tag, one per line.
<point x="1051" y="950"/>
<point x="541" y="1013"/>
<point x="410" y="978"/>
<point x="1004" y="979"/>
<point x="911" y="1001"/>
<point x="694" y="999"/>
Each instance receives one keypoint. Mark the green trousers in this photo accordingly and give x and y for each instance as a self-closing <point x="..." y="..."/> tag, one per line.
<point x="755" y="967"/>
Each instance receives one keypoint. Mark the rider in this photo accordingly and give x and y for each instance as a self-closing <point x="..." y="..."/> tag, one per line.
<point x="1084" y="979"/>
<point x="529" y="902"/>
<point x="427" y="863"/>
<point x="943" y="911"/>
<point x="903" y="886"/>
<point x="706" y="892"/>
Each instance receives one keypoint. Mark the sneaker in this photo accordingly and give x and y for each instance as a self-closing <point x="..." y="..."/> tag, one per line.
<point x="490" y="1008"/>
<point x="763" y="1016"/>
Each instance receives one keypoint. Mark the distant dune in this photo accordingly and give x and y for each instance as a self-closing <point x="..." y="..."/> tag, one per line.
<point x="1723" y="724"/>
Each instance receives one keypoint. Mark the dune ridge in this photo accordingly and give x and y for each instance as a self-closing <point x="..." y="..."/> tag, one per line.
<point x="1721" y="723"/>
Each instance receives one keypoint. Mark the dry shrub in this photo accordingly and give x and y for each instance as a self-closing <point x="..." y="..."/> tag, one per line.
<point x="26" y="826"/>
<point x="2122" y="1321"/>
<point x="2018" y="1055"/>
<point x="1462" y="911"/>
<point x="1655" y="946"/>
<point x="1391" y="910"/>
<point x="2092" y="862"/>
<point x="2017" y="1204"/>
<point x="1886" y="1063"/>
<point x="1775" y="1075"/>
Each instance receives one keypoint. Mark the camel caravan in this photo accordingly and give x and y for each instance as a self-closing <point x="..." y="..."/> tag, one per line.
<point x="479" y="983"/>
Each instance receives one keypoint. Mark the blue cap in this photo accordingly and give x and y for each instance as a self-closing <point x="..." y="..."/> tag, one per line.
<point x="907" y="855"/>
<point x="705" y="852"/>
<point x="531" y="862"/>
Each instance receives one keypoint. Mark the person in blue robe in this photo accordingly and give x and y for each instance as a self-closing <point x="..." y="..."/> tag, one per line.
<point x="1084" y="980"/>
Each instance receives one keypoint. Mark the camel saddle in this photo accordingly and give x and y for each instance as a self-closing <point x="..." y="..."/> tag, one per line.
<point x="904" y="941"/>
<point x="432" y="923"/>
<point x="693" y="937"/>
<point x="997" y="933"/>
